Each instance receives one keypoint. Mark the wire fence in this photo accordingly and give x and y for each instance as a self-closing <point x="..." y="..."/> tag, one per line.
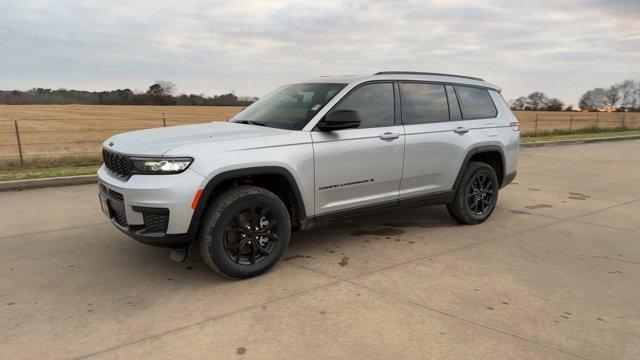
<point x="33" y="141"/>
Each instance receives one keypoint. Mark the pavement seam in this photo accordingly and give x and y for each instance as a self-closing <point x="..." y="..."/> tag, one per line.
<point x="210" y="319"/>
<point x="606" y="226"/>
<point x="52" y="230"/>
<point x="607" y="208"/>
<point x="621" y="260"/>
<point x="394" y="296"/>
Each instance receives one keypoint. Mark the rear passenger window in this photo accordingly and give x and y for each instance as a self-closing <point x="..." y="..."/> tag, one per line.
<point x="424" y="103"/>
<point x="454" y="107"/>
<point x="476" y="103"/>
<point x="374" y="102"/>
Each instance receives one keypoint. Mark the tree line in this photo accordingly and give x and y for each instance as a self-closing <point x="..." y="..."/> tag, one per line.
<point x="160" y="93"/>
<point x="624" y="96"/>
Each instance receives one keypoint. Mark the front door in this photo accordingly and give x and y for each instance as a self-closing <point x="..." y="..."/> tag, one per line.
<point x="361" y="167"/>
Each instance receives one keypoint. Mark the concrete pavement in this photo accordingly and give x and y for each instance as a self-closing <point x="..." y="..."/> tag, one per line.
<point x="555" y="273"/>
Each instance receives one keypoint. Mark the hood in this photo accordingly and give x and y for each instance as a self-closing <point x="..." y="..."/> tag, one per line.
<point x="158" y="141"/>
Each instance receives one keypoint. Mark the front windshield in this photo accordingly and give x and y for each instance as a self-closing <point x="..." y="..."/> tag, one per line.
<point x="290" y="106"/>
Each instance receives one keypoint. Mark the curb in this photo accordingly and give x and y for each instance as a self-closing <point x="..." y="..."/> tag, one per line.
<point x="577" y="141"/>
<point x="47" y="182"/>
<point x="92" y="179"/>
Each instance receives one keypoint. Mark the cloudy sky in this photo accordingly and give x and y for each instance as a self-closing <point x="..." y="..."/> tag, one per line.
<point x="560" y="47"/>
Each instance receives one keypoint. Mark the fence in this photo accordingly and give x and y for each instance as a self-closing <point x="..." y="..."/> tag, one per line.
<point x="534" y="123"/>
<point x="33" y="141"/>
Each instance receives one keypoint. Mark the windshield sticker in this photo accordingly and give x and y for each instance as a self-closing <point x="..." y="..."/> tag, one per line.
<point x="315" y="107"/>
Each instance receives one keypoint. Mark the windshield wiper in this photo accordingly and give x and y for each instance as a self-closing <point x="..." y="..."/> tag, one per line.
<point x="251" y="122"/>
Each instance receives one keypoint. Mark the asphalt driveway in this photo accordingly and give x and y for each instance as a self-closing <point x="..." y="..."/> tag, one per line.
<point x="555" y="273"/>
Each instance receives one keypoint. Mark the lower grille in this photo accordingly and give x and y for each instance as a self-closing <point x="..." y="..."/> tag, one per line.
<point x="121" y="219"/>
<point x="156" y="222"/>
<point x="114" y="194"/>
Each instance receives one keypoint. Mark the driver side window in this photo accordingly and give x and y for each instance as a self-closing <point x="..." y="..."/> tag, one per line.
<point x="374" y="102"/>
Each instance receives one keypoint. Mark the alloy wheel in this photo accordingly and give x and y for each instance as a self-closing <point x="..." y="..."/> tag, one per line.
<point x="480" y="194"/>
<point x="250" y="236"/>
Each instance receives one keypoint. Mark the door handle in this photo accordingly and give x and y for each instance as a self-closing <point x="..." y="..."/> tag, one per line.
<point x="461" y="130"/>
<point x="389" y="136"/>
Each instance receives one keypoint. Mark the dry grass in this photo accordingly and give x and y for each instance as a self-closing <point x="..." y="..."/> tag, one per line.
<point x="73" y="134"/>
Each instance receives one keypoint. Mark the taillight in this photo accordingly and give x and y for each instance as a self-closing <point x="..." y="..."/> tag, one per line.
<point x="515" y="126"/>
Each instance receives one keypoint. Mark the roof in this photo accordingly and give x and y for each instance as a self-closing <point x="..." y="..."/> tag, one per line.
<point x="402" y="75"/>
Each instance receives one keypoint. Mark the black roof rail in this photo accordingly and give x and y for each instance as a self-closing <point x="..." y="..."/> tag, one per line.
<point x="425" y="73"/>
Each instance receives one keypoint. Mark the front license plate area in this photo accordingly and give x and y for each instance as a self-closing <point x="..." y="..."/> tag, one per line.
<point x="104" y="204"/>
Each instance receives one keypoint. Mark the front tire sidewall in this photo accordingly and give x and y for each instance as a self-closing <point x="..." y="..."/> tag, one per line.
<point x="215" y="241"/>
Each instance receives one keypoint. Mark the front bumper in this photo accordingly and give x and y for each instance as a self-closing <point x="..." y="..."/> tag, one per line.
<point x="153" y="209"/>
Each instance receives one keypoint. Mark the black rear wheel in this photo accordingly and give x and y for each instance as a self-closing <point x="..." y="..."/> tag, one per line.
<point x="245" y="232"/>
<point x="477" y="194"/>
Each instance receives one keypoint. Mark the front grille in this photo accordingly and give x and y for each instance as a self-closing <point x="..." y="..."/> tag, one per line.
<point x="156" y="222"/>
<point x="117" y="164"/>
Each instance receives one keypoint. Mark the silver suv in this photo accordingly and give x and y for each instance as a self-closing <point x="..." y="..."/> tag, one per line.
<point x="311" y="152"/>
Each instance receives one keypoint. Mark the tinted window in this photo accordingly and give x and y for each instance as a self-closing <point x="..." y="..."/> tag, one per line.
<point x="424" y="103"/>
<point x="454" y="108"/>
<point x="374" y="103"/>
<point x="476" y="103"/>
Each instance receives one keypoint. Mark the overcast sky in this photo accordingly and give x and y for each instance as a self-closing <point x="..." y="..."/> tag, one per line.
<point x="560" y="47"/>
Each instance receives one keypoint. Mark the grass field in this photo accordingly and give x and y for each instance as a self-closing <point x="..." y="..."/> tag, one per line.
<point x="73" y="134"/>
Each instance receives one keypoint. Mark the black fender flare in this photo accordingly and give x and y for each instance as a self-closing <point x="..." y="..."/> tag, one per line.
<point x="231" y="174"/>
<point x="478" y="150"/>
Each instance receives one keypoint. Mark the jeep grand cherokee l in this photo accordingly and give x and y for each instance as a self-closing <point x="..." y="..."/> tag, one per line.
<point x="310" y="152"/>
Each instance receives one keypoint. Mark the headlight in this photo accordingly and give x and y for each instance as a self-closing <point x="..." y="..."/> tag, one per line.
<point x="160" y="165"/>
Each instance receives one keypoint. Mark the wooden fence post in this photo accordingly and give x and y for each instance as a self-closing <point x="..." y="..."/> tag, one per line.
<point x="570" y="122"/>
<point x="623" y="119"/>
<point x="535" y="126"/>
<point x="597" y="119"/>
<point x="15" y="126"/>
<point x="164" y="121"/>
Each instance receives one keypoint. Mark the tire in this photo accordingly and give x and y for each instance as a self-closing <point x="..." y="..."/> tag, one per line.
<point x="234" y="250"/>
<point x="472" y="203"/>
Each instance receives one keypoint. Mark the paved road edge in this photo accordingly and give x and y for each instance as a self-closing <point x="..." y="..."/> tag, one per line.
<point x="89" y="179"/>
<point x="577" y="141"/>
<point x="47" y="182"/>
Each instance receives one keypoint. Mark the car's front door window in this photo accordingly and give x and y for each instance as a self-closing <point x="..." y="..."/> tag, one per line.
<point x="374" y="103"/>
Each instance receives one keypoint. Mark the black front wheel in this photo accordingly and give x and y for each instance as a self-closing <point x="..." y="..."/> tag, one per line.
<point x="245" y="232"/>
<point x="477" y="194"/>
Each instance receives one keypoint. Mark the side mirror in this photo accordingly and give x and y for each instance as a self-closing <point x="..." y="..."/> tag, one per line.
<point x="339" y="120"/>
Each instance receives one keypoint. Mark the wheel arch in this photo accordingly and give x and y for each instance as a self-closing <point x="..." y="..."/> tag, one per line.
<point x="490" y="154"/>
<point x="223" y="180"/>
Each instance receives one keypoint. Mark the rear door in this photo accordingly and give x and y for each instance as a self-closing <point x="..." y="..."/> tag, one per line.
<point x="361" y="167"/>
<point x="437" y="139"/>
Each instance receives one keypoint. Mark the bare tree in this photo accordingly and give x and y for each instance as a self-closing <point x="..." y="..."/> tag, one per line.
<point x="161" y="93"/>
<point x="553" y="104"/>
<point x="594" y="100"/>
<point x="629" y="99"/>
<point x="536" y="100"/>
<point x="612" y="95"/>
<point x="519" y="103"/>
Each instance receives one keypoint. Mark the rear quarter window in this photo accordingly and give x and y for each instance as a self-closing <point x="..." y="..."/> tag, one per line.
<point x="476" y="103"/>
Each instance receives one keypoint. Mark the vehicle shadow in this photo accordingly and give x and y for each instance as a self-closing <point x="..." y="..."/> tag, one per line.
<point x="374" y="226"/>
